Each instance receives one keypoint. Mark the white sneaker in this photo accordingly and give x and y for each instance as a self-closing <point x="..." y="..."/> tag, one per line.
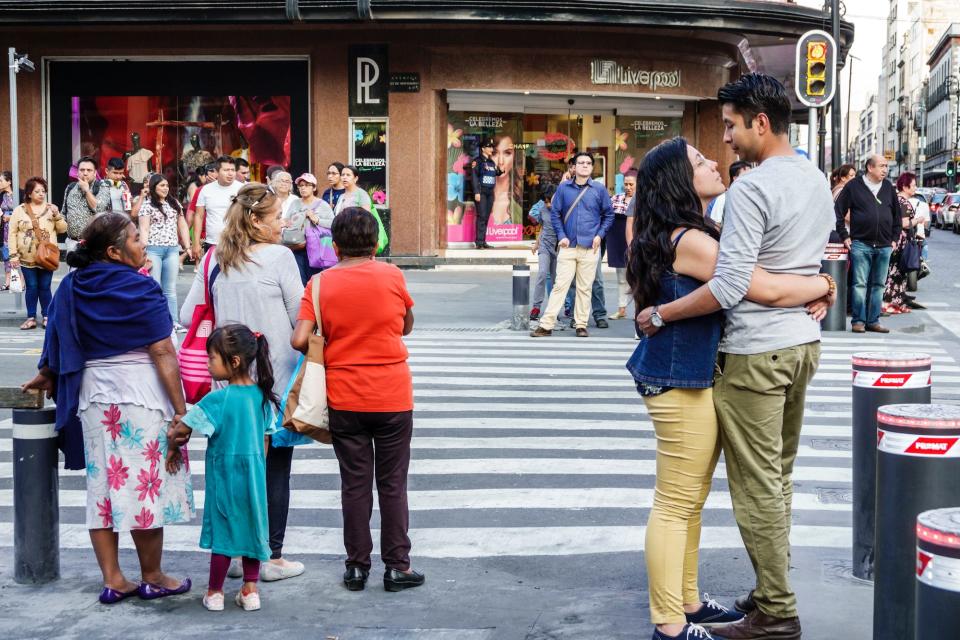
<point x="179" y="328"/>
<point x="214" y="602"/>
<point x="270" y="571"/>
<point x="236" y="568"/>
<point x="249" y="602"/>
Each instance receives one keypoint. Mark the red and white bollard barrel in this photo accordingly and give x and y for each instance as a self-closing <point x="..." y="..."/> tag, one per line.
<point x="878" y="379"/>
<point x="918" y="469"/>
<point x="938" y="573"/>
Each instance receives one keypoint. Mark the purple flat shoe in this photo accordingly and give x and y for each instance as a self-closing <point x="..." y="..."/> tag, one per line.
<point x="149" y="591"/>
<point x="112" y="596"/>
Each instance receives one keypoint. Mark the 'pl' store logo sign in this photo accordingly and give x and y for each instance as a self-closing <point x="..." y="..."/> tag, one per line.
<point x="611" y="72"/>
<point x="369" y="80"/>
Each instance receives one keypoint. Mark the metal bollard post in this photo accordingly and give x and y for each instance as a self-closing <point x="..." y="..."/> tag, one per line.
<point x="938" y="572"/>
<point x="834" y="264"/>
<point x="521" y="298"/>
<point x="878" y="379"/>
<point x="36" y="507"/>
<point x="918" y="469"/>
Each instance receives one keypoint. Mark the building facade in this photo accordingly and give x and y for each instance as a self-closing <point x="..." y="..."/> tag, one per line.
<point x="943" y="100"/>
<point x="866" y="141"/>
<point x="404" y="91"/>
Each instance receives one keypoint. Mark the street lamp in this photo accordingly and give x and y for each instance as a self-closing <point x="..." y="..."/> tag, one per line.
<point x="18" y="62"/>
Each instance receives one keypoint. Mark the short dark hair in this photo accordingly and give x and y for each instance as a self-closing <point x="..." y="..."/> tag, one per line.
<point x="756" y="93"/>
<point x="736" y="168"/>
<point x="355" y="232"/>
<point x="32" y="184"/>
<point x="352" y="169"/>
<point x="87" y="159"/>
<point x="116" y="163"/>
<point x="584" y="154"/>
<point x="210" y="167"/>
<point x="547" y="190"/>
<point x="338" y="165"/>
<point x="241" y="162"/>
<point x="222" y="160"/>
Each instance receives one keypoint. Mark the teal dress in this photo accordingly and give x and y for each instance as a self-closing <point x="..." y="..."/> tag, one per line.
<point x="235" y="507"/>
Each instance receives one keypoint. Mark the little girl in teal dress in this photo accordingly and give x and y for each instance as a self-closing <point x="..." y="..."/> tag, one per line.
<point x="236" y="419"/>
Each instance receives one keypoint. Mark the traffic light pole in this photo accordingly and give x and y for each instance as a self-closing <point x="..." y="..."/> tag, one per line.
<point x="835" y="157"/>
<point x="812" y="134"/>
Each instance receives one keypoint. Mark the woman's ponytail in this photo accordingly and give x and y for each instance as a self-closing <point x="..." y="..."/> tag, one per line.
<point x="265" y="371"/>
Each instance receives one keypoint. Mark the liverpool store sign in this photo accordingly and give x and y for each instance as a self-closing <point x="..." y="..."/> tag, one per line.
<point x="611" y="72"/>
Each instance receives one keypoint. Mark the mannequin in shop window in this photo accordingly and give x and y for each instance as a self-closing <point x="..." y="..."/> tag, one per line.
<point x="485" y="174"/>
<point x="137" y="159"/>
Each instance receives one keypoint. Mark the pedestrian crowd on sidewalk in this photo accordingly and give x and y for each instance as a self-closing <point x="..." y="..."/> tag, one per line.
<point x="122" y="388"/>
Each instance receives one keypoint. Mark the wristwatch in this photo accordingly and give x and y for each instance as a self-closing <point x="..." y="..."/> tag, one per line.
<point x="655" y="318"/>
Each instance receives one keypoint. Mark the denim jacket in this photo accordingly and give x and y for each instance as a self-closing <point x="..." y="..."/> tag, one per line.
<point x="681" y="354"/>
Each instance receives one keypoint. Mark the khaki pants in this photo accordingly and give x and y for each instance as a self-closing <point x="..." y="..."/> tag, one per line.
<point x="579" y="262"/>
<point x="685" y="422"/>
<point x="759" y="400"/>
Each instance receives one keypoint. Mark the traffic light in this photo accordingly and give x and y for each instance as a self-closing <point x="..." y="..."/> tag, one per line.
<point x="951" y="168"/>
<point x="816" y="68"/>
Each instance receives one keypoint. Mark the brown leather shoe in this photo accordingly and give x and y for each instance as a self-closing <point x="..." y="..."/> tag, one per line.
<point x="582" y="333"/>
<point x="757" y="625"/>
<point x="877" y="328"/>
<point x="857" y="328"/>
<point x="540" y="332"/>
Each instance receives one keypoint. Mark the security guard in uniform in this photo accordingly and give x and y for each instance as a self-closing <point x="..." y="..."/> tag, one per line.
<point x="485" y="172"/>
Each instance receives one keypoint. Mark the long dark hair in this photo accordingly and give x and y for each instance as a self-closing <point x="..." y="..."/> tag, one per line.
<point x="155" y="179"/>
<point x="665" y="201"/>
<point x="252" y="349"/>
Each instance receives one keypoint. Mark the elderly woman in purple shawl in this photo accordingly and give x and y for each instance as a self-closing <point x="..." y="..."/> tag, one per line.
<point x="109" y="361"/>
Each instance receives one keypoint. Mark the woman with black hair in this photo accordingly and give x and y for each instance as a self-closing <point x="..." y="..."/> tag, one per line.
<point x="164" y="229"/>
<point x="673" y="252"/>
<point x="109" y="362"/>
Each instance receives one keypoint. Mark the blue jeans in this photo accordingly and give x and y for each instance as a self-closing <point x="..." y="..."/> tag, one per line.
<point x="165" y="268"/>
<point x="870" y="266"/>
<point x="546" y="275"/>
<point x="36" y="284"/>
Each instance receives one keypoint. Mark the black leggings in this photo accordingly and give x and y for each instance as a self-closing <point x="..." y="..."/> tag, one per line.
<point x="279" y="460"/>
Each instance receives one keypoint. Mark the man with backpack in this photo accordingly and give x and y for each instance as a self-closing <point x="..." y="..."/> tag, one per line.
<point x="582" y="214"/>
<point x="83" y="200"/>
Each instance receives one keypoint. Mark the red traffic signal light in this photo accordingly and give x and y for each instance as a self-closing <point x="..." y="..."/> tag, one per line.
<point x="816" y="68"/>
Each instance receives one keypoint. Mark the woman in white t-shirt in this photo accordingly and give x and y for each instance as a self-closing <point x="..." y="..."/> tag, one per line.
<point x="354" y="196"/>
<point x="164" y="230"/>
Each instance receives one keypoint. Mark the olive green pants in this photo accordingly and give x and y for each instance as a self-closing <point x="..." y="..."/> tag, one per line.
<point x="759" y="400"/>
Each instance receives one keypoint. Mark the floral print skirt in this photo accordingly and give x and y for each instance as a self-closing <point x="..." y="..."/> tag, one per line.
<point x="128" y="486"/>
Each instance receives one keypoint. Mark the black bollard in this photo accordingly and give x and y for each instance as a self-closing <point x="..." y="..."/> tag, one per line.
<point x="834" y="264"/>
<point x="878" y="379"/>
<point x="918" y="469"/>
<point x="521" y="297"/>
<point x="938" y="573"/>
<point x="36" y="505"/>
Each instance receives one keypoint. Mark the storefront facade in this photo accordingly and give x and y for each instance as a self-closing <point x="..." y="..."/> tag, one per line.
<point x="407" y="103"/>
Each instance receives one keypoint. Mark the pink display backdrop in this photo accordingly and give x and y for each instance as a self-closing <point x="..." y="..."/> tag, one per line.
<point x="465" y="231"/>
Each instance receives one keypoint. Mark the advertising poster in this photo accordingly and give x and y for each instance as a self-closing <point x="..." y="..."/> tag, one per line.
<point x="465" y="132"/>
<point x="634" y="137"/>
<point x="369" y="155"/>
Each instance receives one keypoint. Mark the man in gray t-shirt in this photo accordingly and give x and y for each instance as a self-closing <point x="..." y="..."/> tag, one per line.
<point x="779" y="217"/>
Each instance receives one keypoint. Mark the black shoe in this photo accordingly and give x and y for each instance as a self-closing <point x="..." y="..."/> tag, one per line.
<point x="355" y="578"/>
<point x="602" y="324"/>
<point x="573" y="323"/>
<point x="913" y="304"/>
<point x="745" y="604"/>
<point x="582" y="333"/>
<point x="394" y="580"/>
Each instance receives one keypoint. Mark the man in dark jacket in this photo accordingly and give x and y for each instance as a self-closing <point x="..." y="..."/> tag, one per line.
<point x="874" y="229"/>
<point x="485" y="172"/>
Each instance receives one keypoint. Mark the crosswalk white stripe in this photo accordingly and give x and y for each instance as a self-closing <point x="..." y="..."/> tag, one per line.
<point x="860" y="341"/>
<point x="516" y="467"/>
<point x="473" y="542"/>
<point x="476" y="499"/>
<point x="604" y="355"/>
<point x="560" y="407"/>
<point x="549" y="443"/>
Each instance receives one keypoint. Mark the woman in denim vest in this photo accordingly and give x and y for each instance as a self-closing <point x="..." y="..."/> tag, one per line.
<point x="673" y="252"/>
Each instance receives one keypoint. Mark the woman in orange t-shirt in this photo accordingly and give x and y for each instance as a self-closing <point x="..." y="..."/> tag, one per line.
<point x="369" y="392"/>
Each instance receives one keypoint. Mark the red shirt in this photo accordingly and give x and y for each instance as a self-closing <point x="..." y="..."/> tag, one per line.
<point x="362" y="308"/>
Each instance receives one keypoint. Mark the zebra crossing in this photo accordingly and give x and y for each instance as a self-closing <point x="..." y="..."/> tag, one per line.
<point x="538" y="448"/>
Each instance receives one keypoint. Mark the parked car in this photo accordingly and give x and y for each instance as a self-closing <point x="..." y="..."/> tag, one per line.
<point x="936" y="203"/>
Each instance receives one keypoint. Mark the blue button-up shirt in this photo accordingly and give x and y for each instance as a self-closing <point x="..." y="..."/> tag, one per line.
<point x="593" y="215"/>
